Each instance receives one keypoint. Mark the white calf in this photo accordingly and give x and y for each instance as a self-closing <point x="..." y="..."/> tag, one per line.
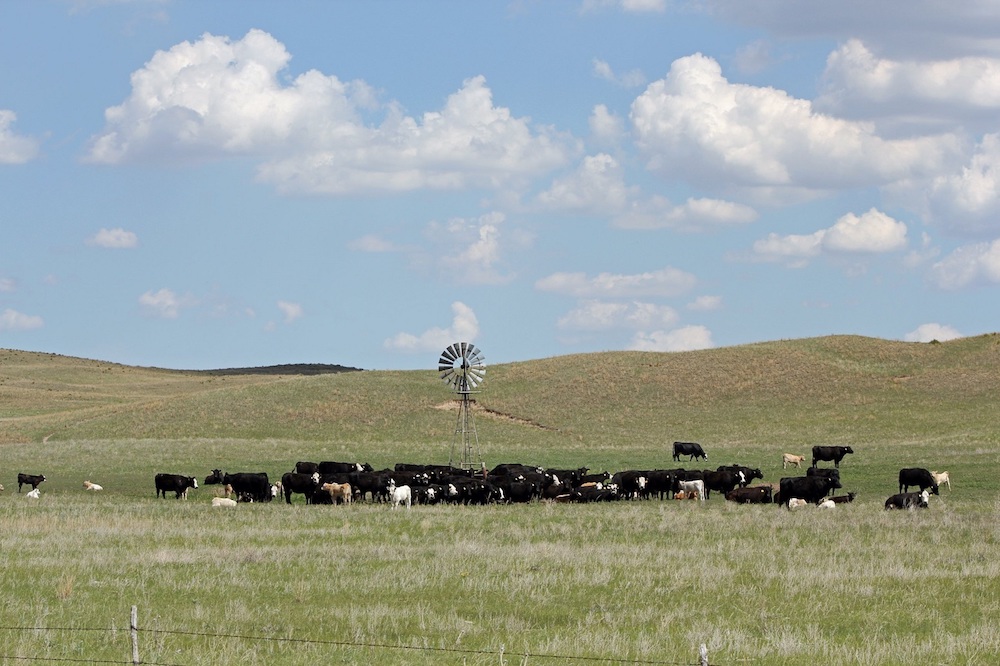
<point x="697" y="488"/>
<point x="941" y="478"/>
<point x="399" y="495"/>
<point x="34" y="494"/>
<point x="795" y="503"/>
<point x="827" y="504"/>
<point x="791" y="459"/>
<point x="223" y="501"/>
<point x="87" y="485"/>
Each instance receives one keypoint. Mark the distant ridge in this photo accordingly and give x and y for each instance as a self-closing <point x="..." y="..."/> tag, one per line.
<point x="286" y="369"/>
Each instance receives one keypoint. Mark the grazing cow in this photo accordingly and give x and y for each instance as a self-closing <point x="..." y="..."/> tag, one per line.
<point x="827" y="504"/>
<point x="796" y="503"/>
<point x="940" y="478"/>
<point x="810" y="488"/>
<point x="400" y="495"/>
<point x="176" y="483"/>
<point x="723" y="481"/>
<point x="908" y="501"/>
<point x="750" y="495"/>
<point x="252" y="485"/>
<point x="791" y="459"/>
<point x="87" y="485"/>
<point x="29" y="480"/>
<point x="223" y="501"/>
<point x="916" y="476"/>
<point x="843" y="499"/>
<point x="834" y="453"/>
<point x="34" y="494"/>
<point x="697" y="487"/>
<point x="304" y="484"/>
<point x="691" y="449"/>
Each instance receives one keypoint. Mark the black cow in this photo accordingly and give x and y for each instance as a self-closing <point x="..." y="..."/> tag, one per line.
<point x="512" y="469"/>
<point x="572" y="476"/>
<point x="660" y="482"/>
<point x="749" y="473"/>
<point x="376" y="483"/>
<point x="215" y="478"/>
<point x="751" y="495"/>
<point x="178" y="483"/>
<point x="917" y="476"/>
<point x="721" y="481"/>
<point x="810" y="488"/>
<point x="825" y="472"/>
<point x="305" y="467"/>
<point x="304" y="484"/>
<point x="29" y="479"/>
<point x="328" y="467"/>
<point x="692" y="449"/>
<point x="631" y="483"/>
<point x="907" y="501"/>
<point x="834" y="453"/>
<point x="249" y="485"/>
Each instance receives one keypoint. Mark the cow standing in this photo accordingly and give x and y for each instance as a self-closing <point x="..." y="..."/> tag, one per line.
<point x="917" y="476"/>
<point x="692" y="449"/>
<point x="29" y="480"/>
<point x="176" y="483"/>
<point x="834" y="453"/>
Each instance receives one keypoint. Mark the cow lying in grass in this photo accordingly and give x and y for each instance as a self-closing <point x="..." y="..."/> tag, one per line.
<point x="223" y="501"/>
<point x="93" y="487"/>
<point x="908" y="500"/>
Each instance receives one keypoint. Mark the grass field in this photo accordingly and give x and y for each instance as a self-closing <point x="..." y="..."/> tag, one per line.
<point x="628" y="582"/>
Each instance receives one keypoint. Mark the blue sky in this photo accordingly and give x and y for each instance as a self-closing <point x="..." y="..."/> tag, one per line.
<point x="217" y="184"/>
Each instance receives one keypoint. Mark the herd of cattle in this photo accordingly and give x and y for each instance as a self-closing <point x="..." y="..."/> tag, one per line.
<point x="407" y="484"/>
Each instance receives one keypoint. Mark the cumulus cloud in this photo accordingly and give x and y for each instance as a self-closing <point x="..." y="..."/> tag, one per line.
<point x="928" y="332"/>
<point x="630" y="79"/>
<point x="693" y="215"/>
<point x="217" y="98"/>
<point x="12" y="320"/>
<point x="870" y="233"/>
<point x="116" y="238"/>
<point x="665" y="282"/>
<point x="968" y="201"/>
<point x="464" y="328"/>
<point x="970" y="265"/>
<point x="468" y="250"/>
<point x="687" y="338"/>
<point x="595" y="315"/>
<point x="290" y="311"/>
<point x="606" y="128"/>
<point x="14" y="148"/>
<point x="164" y="303"/>
<point x="597" y="186"/>
<point x="696" y="125"/>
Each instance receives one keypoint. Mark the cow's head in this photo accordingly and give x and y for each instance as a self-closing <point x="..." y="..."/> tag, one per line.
<point x="934" y="489"/>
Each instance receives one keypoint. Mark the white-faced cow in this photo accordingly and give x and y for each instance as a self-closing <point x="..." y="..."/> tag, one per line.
<point x="29" y="480"/>
<point x="917" y="476"/>
<point x="305" y="484"/>
<point x="691" y="449"/>
<point x="834" y="453"/>
<point x="908" y="501"/>
<point x="175" y="483"/>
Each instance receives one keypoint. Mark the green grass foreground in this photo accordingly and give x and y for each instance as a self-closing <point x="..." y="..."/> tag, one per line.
<point x="628" y="582"/>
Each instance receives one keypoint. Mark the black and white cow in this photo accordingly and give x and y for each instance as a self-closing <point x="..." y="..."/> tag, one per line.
<point x="908" y="501"/>
<point x="809" y="488"/>
<point x="176" y="483"/>
<point x="29" y="480"/>
<point x="304" y="484"/>
<point x="253" y="486"/>
<point x="692" y="449"/>
<point x="834" y="453"/>
<point x="917" y="476"/>
<point x="329" y="467"/>
<point x="749" y="473"/>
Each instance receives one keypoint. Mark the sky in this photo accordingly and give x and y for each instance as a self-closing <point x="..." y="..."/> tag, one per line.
<point x="193" y="185"/>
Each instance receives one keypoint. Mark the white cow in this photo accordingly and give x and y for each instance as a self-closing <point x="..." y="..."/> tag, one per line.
<point x="827" y="504"/>
<point x="941" y="478"/>
<point x="87" y="485"/>
<point x="696" y="488"/>
<point x="34" y="494"/>
<point x="399" y="495"/>
<point x="223" y="501"/>
<point x="795" y="503"/>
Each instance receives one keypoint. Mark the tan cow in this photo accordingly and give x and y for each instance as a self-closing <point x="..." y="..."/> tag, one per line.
<point x="791" y="459"/>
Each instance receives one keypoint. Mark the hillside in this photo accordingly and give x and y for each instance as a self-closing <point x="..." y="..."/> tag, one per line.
<point x="833" y="389"/>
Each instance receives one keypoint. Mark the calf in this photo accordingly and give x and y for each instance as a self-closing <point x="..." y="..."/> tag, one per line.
<point x="33" y="494"/>
<point x="791" y="459"/>
<point x="795" y="503"/>
<point x="400" y="495"/>
<point x="695" y="487"/>
<point x="87" y="485"/>
<point x="29" y="480"/>
<point x="340" y="493"/>
<point x="916" y="476"/>
<point x="223" y="501"/>
<point x="176" y="483"/>
<point x="843" y="499"/>
<point x="908" y="501"/>
<point x="827" y="504"/>
<point x="942" y="479"/>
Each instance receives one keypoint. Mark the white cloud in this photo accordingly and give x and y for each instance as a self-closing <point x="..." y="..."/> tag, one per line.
<point x="14" y="148"/>
<point x="596" y="187"/>
<point x="969" y="202"/>
<point x="291" y="311"/>
<point x="696" y="125"/>
<point x="373" y="243"/>
<point x="705" y="303"/>
<point x="602" y="315"/>
<point x="628" y="6"/>
<point x="12" y="320"/>
<point x="216" y="98"/>
<point x="688" y="338"/>
<point x="607" y="128"/>
<point x="870" y="233"/>
<point x="164" y="303"/>
<point x="928" y="332"/>
<point x="468" y="250"/>
<point x="970" y="265"/>
<point x="117" y="238"/>
<point x="8" y="285"/>
<point x="631" y="79"/>
<point x="754" y="57"/>
<point x="693" y="215"/>
<point x="665" y="282"/>
<point x="464" y="328"/>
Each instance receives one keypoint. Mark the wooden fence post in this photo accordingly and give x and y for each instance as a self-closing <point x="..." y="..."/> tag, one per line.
<point x="135" y="635"/>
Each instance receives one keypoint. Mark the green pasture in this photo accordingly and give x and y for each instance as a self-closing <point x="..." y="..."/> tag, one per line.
<point x="627" y="582"/>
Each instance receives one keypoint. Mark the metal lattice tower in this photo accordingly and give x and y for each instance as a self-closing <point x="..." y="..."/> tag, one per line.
<point x="461" y="366"/>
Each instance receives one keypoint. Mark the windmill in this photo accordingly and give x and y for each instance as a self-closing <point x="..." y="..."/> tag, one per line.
<point x="461" y="367"/>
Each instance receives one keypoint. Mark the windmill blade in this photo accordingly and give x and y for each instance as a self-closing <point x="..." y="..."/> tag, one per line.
<point x="450" y="353"/>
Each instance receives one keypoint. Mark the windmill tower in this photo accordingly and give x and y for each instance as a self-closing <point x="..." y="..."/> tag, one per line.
<point x="461" y="367"/>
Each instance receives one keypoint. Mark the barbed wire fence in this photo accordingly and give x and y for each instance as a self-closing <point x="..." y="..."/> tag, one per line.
<point x="133" y="658"/>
